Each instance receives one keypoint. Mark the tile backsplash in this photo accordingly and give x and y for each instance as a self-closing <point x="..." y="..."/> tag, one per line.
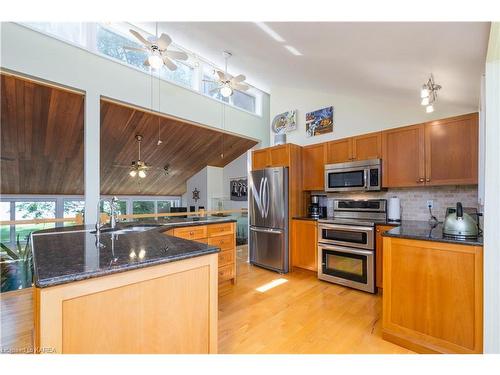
<point x="414" y="200"/>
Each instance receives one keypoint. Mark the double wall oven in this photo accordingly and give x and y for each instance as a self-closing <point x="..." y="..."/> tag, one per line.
<point x="346" y="243"/>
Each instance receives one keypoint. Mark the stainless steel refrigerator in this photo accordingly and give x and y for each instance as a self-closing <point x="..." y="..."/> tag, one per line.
<point x="268" y="205"/>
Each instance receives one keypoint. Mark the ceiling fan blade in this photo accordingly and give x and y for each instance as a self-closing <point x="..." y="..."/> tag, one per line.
<point x="238" y="78"/>
<point x="240" y="86"/>
<point x="163" y="41"/>
<point x="209" y="81"/>
<point x="143" y="40"/>
<point x="121" y="166"/>
<point x="221" y="75"/>
<point x="134" y="48"/>
<point x="177" y="55"/>
<point x="169" y="63"/>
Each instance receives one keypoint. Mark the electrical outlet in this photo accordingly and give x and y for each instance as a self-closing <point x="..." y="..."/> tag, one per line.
<point x="430" y="203"/>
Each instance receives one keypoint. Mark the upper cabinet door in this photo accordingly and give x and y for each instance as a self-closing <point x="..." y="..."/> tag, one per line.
<point x="260" y="159"/>
<point x="339" y="151"/>
<point x="313" y="167"/>
<point x="365" y="147"/>
<point x="451" y="148"/>
<point x="279" y="156"/>
<point x="403" y="157"/>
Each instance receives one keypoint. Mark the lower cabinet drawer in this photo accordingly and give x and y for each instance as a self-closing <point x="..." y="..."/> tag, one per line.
<point x="222" y="242"/>
<point x="226" y="257"/>
<point x="226" y="272"/>
<point x="191" y="233"/>
<point x="220" y="229"/>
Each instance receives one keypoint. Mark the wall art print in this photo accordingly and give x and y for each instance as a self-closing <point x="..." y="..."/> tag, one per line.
<point x="238" y="189"/>
<point x="285" y="122"/>
<point x="319" y="122"/>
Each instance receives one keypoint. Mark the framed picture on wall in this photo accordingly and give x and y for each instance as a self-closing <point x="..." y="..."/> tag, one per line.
<point x="238" y="189"/>
<point x="319" y="122"/>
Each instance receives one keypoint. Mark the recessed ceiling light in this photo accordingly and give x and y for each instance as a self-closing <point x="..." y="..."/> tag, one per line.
<point x="293" y="50"/>
<point x="273" y="34"/>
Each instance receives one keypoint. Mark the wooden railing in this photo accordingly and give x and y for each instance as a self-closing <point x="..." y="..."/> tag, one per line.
<point x="78" y="219"/>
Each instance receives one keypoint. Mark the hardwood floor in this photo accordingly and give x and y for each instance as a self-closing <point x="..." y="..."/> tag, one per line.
<point x="16" y="328"/>
<point x="302" y="315"/>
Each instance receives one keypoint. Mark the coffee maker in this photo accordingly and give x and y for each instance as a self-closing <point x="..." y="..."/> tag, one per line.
<point x="315" y="211"/>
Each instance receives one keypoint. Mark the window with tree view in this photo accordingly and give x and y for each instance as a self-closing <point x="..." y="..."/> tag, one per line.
<point x="33" y="210"/>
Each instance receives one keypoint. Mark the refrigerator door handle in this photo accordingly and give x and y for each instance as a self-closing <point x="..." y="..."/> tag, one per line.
<point x="266" y="230"/>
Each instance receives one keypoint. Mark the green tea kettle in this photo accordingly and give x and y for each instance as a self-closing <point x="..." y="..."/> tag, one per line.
<point x="460" y="224"/>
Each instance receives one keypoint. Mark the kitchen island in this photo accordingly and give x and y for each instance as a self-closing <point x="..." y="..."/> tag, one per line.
<point x="135" y="289"/>
<point x="432" y="290"/>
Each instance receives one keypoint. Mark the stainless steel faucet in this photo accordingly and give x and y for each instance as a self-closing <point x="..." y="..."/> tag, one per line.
<point x="112" y="203"/>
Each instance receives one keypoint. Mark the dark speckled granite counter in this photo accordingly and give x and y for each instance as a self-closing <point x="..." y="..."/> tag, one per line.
<point x="64" y="255"/>
<point x="422" y="230"/>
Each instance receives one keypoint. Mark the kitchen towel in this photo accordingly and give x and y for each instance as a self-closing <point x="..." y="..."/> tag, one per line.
<point x="394" y="209"/>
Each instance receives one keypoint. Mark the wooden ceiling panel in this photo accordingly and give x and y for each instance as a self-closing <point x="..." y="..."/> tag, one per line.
<point x="41" y="138"/>
<point x="42" y="132"/>
<point x="186" y="148"/>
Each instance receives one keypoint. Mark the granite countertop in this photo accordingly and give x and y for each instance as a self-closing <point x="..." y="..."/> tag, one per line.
<point x="422" y="230"/>
<point x="63" y="255"/>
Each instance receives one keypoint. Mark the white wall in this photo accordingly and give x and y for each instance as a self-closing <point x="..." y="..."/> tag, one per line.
<point x="214" y="186"/>
<point x="198" y="181"/>
<point x="354" y="113"/>
<point x="492" y="196"/>
<point x="65" y="64"/>
<point x="237" y="168"/>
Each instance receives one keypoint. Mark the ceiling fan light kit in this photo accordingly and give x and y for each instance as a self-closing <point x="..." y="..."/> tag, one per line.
<point x="428" y="94"/>
<point x="226" y="83"/>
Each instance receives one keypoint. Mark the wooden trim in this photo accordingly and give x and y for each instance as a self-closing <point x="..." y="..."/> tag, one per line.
<point x="49" y="301"/>
<point x="40" y="81"/>
<point x="79" y="218"/>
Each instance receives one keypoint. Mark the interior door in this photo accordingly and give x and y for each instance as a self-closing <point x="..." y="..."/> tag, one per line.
<point x="451" y="148"/>
<point x="403" y="159"/>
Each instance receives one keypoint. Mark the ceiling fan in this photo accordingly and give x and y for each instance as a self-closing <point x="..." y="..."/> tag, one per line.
<point x="139" y="167"/>
<point x="157" y="48"/>
<point x="226" y="83"/>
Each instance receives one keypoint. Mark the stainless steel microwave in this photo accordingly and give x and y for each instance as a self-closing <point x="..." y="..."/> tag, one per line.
<point x="363" y="175"/>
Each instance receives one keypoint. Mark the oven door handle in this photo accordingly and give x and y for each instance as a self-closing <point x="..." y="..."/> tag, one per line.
<point x="347" y="250"/>
<point x="350" y="228"/>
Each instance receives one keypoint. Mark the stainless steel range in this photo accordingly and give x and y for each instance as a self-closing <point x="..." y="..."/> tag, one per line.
<point x="346" y="243"/>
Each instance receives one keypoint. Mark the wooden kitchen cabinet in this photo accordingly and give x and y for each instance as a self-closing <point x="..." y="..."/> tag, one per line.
<point x="313" y="167"/>
<point x="339" y="151"/>
<point x="403" y="159"/>
<point x="451" y="151"/>
<point x="368" y="146"/>
<point x="379" y="254"/>
<point x="362" y="147"/>
<point x="304" y="244"/>
<point x="261" y="159"/>
<point x="276" y="156"/>
<point x="221" y="235"/>
<point x="441" y="152"/>
<point x="433" y="296"/>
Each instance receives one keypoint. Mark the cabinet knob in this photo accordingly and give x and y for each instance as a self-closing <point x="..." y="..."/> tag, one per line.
<point x="191" y="233"/>
<point x="428" y="180"/>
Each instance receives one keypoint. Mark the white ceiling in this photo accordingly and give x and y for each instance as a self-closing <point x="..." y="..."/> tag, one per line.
<point x="382" y="58"/>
